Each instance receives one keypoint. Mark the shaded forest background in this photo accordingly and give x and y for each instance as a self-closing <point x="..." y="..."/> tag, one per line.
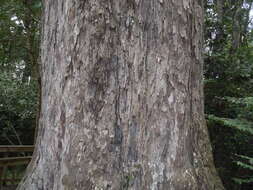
<point x="228" y="79"/>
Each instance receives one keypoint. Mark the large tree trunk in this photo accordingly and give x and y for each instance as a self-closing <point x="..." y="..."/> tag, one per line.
<point x="122" y="100"/>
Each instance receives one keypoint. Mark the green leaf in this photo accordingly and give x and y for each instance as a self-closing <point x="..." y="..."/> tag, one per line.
<point x="242" y="125"/>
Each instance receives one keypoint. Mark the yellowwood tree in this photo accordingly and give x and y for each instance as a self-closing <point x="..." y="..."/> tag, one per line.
<point x="122" y="98"/>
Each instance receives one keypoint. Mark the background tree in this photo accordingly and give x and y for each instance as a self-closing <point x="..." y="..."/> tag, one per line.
<point x="122" y="103"/>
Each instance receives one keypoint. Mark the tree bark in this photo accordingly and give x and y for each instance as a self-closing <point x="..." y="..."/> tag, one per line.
<point x="220" y="37"/>
<point x="122" y="98"/>
<point x="237" y="28"/>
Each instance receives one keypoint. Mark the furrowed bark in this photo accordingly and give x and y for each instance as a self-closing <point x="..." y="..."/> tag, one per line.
<point x="122" y="98"/>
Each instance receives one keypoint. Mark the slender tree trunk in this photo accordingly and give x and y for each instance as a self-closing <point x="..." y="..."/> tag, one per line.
<point x="246" y="23"/>
<point x="220" y="36"/>
<point x="237" y="28"/>
<point x="32" y="54"/>
<point x="122" y="99"/>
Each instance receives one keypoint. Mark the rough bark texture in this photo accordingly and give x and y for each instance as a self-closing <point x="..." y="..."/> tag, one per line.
<point x="122" y="100"/>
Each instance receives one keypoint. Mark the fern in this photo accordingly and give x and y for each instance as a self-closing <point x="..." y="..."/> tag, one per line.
<point x="247" y="101"/>
<point x="248" y="164"/>
<point x="239" y="124"/>
<point x="241" y="181"/>
<point x="242" y="125"/>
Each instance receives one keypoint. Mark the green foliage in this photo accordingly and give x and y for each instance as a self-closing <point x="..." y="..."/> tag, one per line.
<point x="229" y="86"/>
<point x="19" y="32"/>
<point x="17" y="97"/>
<point x="242" y="125"/>
<point x="247" y="164"/>
<point x="18" y="106"/>
<point x="19" y="49"/>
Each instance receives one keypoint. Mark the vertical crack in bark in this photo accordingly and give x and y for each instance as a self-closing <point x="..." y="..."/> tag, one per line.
<point x="98" y="84"/>
<point x="118" y="136"/>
